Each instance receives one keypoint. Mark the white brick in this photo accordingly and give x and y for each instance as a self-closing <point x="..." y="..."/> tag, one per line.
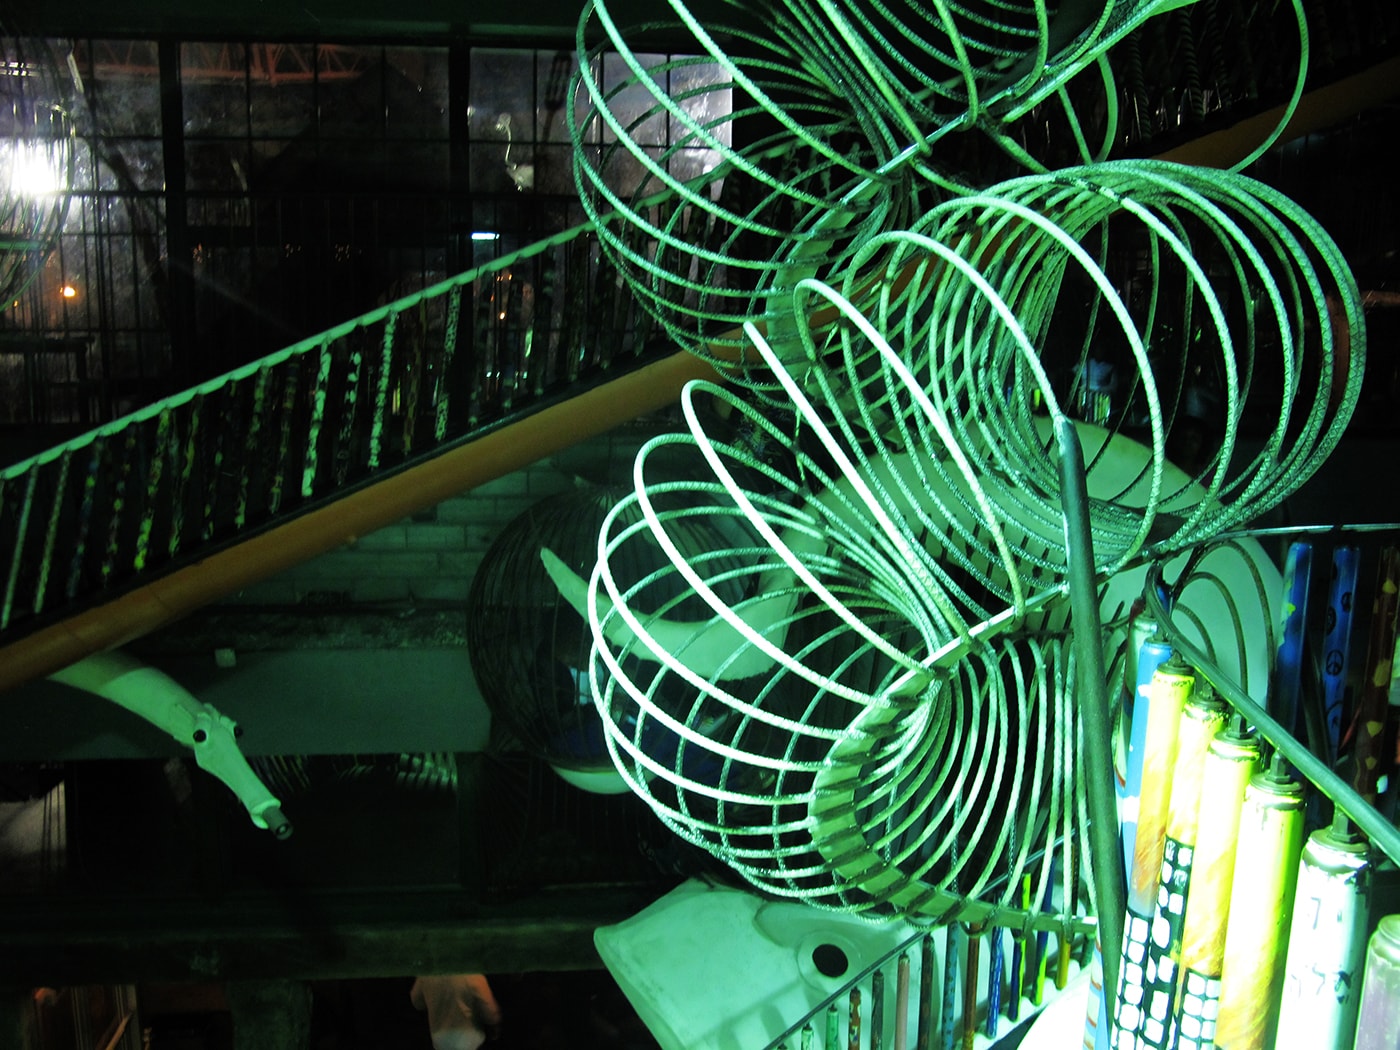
<point x="460" y="510"/>
<point x="351" y="565"/>
<point x="435" y="536"/>
<point x="516" y="484"/>
<point x="463" y="564"/>
<point x="390" y="538"/>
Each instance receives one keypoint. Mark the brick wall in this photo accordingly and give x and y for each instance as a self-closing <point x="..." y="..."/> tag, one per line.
<point x="429" y="560"/>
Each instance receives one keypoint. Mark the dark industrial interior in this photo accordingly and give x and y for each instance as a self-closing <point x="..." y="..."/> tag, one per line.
<point x="250" y="175"/>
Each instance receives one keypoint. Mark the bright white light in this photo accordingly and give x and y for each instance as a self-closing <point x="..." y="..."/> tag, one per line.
<point x="485" y="235"/>
<point x="31" y="171"/>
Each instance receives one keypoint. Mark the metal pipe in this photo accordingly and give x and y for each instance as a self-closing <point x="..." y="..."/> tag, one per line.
<point x="1092" y="686"/>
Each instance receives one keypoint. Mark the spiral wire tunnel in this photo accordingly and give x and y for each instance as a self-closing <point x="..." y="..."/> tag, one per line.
<point x="886" y="720"/>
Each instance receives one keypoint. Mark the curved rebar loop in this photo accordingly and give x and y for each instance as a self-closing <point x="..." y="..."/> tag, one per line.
<point x="1000" y="305"/>
<point x="794" y="735"/>
<point x="839" y="108"/>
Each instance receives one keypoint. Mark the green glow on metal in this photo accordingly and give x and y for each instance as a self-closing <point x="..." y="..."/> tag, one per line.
<point x="878" y="712"/>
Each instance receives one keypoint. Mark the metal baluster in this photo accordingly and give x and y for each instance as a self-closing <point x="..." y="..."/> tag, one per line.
<point x="51" y="534"/>
<point x="182" y="477"/>
<point x="85" y="506"/>
<point x="577" y="312"/>
<point x="381" y="391"/>
<point x="996" y="965"/>
<point x="546" y="281"/>
<point x="449" y="350"/>
<point x="153" y="479"/>
<point x="606" y="281"/>
<point x="877" y="1010"/>
<point x="513" y="333"/>
<point x="488" y="349"/>
<point x="128" y="461"/>
<point x="950" y="987"/>
<point x="413" y="380"/>
<point x="318" y="415"/>
<point x="18" y="558"/>
<point x="345" y="439"/>
<point x="250" y="447"/>
<point x="901" y="1003"/>
<point x="284" y="438"/>
<point x="228" y="418"/>
<point x="974" y="962"/>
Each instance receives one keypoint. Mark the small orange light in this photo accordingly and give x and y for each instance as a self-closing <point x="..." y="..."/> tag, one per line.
<point x="68" y="292"/>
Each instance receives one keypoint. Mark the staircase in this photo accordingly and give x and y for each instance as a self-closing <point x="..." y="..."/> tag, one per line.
<point x="136" y="523"/>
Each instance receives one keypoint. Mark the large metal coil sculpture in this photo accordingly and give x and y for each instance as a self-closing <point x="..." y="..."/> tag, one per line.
<point x="829" y="121"/>
<point x="877" y="710"/>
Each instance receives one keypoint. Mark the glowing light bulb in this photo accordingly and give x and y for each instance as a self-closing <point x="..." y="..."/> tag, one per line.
<point x="34" y="171"/>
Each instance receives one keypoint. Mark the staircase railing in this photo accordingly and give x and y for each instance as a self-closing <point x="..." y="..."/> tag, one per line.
<point x="101" y="514"/>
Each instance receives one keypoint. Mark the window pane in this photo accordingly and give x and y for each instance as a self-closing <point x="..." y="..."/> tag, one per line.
<point x="631" y="100"/>
<point x="350" y="92"/>
<point x="502" y="90"/>
<point x="416" y="92"/>
<point x="121" y="79"/>
<point x="282" y="90"/>
<point x="703" y="91"/>
<point x="214" y="87"/>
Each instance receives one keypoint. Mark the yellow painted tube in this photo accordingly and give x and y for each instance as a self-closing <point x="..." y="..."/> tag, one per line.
<point x="1231" y="761"/>
<point x="1201" y="719"/>
<point x="1166" y="695"/>
<point x="1261" y="910"/>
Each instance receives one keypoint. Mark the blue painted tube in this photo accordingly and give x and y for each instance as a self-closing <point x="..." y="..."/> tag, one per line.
<point x="1288" y="659"/>
<point x="1151" y="656"/>
<point x="1336" y="642"/>
<point x="995" y="965"/>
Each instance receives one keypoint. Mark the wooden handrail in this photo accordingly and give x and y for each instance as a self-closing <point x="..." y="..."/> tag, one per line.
<point x="1317" y="109"/>
<point x="361" y="511"/>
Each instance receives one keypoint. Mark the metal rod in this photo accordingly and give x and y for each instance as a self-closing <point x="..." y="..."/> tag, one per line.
<point x="1092" y="684"/>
